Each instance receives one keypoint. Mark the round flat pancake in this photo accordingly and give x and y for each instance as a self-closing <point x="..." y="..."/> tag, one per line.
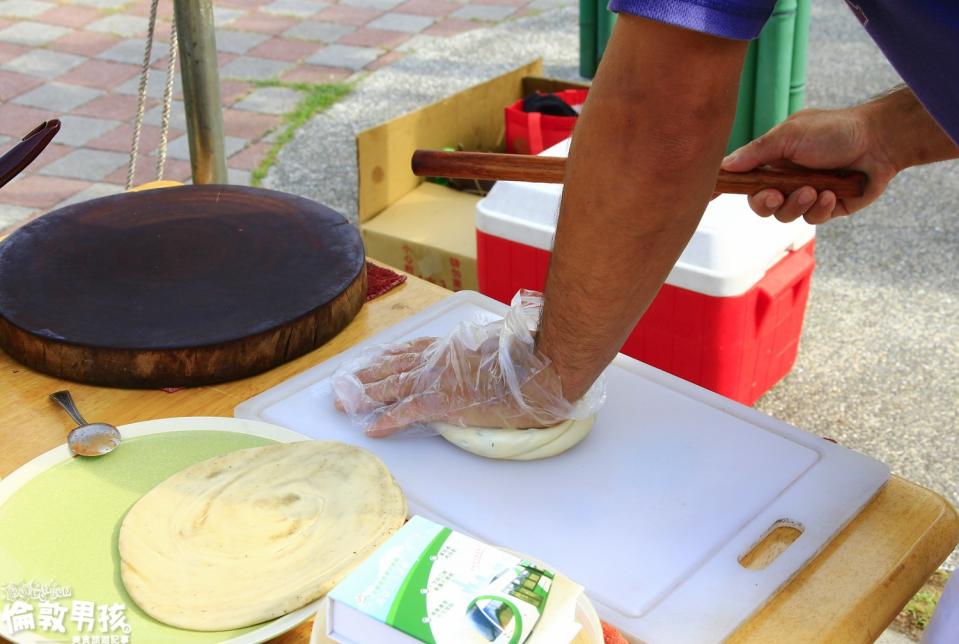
<point x="251" y="535"/>
<point x="517" y="444"/>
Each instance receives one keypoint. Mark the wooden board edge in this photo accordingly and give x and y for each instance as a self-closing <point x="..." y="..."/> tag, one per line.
<point x="231" y="360"/>
<point x="938" y="541"/>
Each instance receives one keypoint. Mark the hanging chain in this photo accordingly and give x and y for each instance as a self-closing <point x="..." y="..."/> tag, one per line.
<point x="142" y="98"/>
<point x="167" y="103"/>
<point x="142" y="94"/>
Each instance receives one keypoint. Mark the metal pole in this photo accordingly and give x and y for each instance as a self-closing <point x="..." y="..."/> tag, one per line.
<point x="201" y="89"/>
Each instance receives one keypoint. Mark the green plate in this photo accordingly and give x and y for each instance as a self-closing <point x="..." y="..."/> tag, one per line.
<point x="60" y="517"/>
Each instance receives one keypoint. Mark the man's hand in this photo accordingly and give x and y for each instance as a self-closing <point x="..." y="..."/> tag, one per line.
<point x="482" y="375"/>
<point x="820" y="139"/>
<point x="881" y="138"/>
<point x="432" y="379"/>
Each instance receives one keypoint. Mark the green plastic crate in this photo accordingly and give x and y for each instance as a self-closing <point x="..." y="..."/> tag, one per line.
<point x="773" y="82"/>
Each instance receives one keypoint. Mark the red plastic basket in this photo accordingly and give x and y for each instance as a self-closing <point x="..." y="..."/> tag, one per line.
<point x="532" y="132"/>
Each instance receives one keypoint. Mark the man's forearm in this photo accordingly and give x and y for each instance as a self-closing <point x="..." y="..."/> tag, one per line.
<point x="907" y="132"/>
<point x="641" y="169"/>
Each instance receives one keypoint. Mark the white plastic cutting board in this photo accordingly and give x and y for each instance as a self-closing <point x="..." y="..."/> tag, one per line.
<point x="650" y="513"/>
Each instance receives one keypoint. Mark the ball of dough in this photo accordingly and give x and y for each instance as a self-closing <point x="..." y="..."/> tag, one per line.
<point x="517" y="444"/>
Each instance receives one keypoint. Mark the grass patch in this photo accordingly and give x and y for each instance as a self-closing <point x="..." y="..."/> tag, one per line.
<point x="915" y="617"/>
<point x="316" y="98"/>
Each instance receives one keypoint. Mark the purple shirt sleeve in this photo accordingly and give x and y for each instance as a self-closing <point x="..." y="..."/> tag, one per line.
<point x="736" y="19"/>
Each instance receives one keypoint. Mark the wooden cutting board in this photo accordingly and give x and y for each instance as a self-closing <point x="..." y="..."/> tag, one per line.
<point x="178" y="287"/>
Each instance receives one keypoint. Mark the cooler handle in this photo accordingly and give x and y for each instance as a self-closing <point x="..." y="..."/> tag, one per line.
<point x="786" y="274"/>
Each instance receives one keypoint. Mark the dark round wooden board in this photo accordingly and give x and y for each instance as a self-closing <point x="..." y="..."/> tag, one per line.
<point x="178" y="286"/>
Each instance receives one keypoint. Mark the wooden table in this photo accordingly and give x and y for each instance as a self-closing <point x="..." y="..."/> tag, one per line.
<point x="849" y="593"/>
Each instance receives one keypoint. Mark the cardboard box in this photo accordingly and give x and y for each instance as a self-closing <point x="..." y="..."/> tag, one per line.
<point x="430" y="233"/>
<point x="422" y="228"/>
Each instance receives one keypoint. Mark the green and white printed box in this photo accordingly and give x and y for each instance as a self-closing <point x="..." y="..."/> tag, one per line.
<point x="430" y="584"/>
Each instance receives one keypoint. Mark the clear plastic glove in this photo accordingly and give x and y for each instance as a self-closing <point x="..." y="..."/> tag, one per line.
<point x="481" y="375"/>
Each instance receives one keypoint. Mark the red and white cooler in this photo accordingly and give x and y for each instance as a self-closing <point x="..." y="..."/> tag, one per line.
<point x="728" y="317"/>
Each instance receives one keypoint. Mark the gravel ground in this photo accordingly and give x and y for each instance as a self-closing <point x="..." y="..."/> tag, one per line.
<point x="878" y="367"/>
<point x="435" y="69"/>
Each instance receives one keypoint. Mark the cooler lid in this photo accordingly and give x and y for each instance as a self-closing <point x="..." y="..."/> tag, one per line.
<point x="729" y="253"/>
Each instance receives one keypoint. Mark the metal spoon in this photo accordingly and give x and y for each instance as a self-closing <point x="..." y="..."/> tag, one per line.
<point x="89" y="439"/>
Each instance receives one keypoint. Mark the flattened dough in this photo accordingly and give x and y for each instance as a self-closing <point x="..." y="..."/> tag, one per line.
<point x="517" y="444"/>
<point x="251" y="535"/>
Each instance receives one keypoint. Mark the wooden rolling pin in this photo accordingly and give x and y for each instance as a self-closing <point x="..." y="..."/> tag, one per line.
<point x="524" y="167"/>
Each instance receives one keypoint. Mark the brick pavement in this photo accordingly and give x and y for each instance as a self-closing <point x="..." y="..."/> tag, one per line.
<point x="79" y="60"/>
